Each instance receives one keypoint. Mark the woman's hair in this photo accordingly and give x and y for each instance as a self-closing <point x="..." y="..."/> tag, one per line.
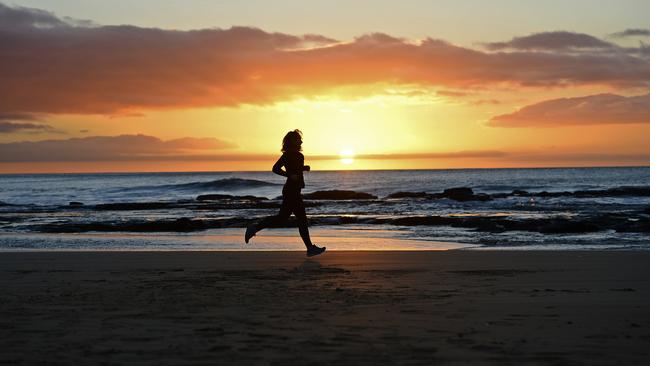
<point x="292" y="141"/>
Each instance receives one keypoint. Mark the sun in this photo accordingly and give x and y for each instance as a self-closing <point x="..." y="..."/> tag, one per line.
<point x="347" y="156"/>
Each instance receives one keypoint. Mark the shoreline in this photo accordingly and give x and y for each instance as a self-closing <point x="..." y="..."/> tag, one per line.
<point x="302" y="250"/>
<point x="345" y="307"/>
<point x="231" y="240"/>
<point x="226" y="240"/>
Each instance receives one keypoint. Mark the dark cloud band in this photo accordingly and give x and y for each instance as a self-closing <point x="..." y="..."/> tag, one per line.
<point x="633" y="32"/>
<point x="109" y="148"/>
<point x="588" y="110"/>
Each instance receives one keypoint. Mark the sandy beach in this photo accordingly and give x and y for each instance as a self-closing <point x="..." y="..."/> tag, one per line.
<point x="344" y="308"/>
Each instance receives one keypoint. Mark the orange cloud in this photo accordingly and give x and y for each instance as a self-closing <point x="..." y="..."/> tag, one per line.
<point x="436" y="155"/>
<point x="108" y="148"/>
<point x="589" y="110"/>
<point x="48" y="65"/>
<point x="452" y="93"/>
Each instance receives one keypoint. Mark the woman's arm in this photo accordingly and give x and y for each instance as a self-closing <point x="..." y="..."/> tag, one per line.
<point x="303" y="167"/>
<point x="277" y="167"/>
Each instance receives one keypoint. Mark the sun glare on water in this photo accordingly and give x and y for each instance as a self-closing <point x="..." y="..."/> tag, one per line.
<point x="347" y="156"/>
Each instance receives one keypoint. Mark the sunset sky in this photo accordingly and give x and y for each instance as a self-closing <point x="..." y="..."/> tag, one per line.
<point x="151" y="85"/>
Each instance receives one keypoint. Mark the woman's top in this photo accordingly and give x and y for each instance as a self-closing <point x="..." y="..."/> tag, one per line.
<point x="294" y="163"/>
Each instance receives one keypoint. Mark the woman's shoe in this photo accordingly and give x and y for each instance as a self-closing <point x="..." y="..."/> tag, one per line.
<point x="314" y="250"/>
<point x="250" y="232"/>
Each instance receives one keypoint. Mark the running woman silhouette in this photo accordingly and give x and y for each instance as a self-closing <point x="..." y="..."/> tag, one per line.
<point x="294" y="165"/>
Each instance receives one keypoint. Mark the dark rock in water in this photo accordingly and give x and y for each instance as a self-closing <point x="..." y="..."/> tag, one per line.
<point x="211" y="202"/>
<point x="222" y="197"/>
<point x="620" y="222"/>
<point x="460" y="191"/>
<point x="75" y="204"/>
<point x="615" y="192"/>
<point x="334" y="220"/>
<point x="213" y="197"/>
<point x="611" y="192"/>
<point x="568" y="227"/>
<point x="225" y="184"/>
<point x="8" y="219"/>
<point x="233" y="205"/>
<point x="409" y="195"/>
<point x="463" y="194"/>
<point x="499" y="195"/>
<point x="183" y="224"/>
<point x="515" y="193"/>
<point x="338" y="195"/>
<point x="491" y="226"/>
<point x="637" y="224"/>
<point x="132" y="206"/>
<point x="423" y="220"/>
<point x="634" y="191"/>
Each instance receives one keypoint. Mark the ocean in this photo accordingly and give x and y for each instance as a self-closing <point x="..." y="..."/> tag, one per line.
<point x="528" y="209"/>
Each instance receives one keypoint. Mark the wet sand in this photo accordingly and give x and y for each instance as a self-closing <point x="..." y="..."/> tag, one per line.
<point x="344" y="308"/>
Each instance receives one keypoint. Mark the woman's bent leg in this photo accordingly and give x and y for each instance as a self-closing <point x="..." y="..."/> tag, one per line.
<point x="276" y="220"/>
<point x="301" y="219"/>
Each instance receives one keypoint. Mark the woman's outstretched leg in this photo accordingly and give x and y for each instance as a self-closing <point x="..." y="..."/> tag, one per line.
<point x="270" y="221"/>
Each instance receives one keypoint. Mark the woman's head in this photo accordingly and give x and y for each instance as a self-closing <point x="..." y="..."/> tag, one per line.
<point x="292" y="141"/>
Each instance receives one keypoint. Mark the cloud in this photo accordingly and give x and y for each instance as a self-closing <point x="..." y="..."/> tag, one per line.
<point x="452" y="93"/>
<point x="109" y="148"/>
<point x="22" y="17"/>
<point x="632" y="32"/>
<point x="487" y="102"/>
<point x="588" y="110"/>
<point x="10" y="127"/>
<point x="194" y="143"/>
<point x="8" y="123"/>
<point x="560" y="40"/>
<point x="50" y="65"/>
<point x="578" y="158"/>
<point x="17" y="117"/>
<point x="436" y="155"/>
<point x="519" y="157"/>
